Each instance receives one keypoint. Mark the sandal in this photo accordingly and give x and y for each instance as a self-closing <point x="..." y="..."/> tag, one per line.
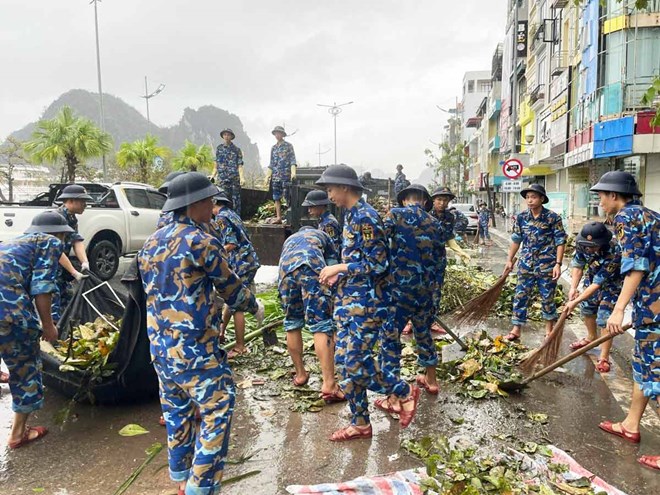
<point x="297" y="383"/>
<point x="333" y="397"/>
<point x="161" y="421"/>
<point x="431" y="389"/>
<point x="233" y="354"/>
<point x="384" y="405"/>
<point x="579" y="344"/>
<point x="345" y="434"/>
<point x="407" y="330"/>
<point x="4" y="377"/>
<point x="406" y="417"/>
<point x="603" y="366"/>
<point x="511" y="337"/>
<point x="435" y="328"/>
<point x="650" y="461"/>
<point x="41" y="432"/>
<point x="625" y="434"/>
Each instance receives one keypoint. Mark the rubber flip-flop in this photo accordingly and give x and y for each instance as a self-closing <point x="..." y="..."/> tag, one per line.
<point x="650" y="461"/>
<point x="435" y="328"/>
<point x="233" y="354"/>
<point x="334" y="397"/>
<point x="511" y="337"/>
<point x="344" y="435"/>
<point x="4" y="377"/>
<point x="579" y="344"/>
<point x="421" y="381"/>
<point x="42" y="431"/>
<point x="625" y="434"/>
<point x="603" y="366"/>
<point x="300" y="383"/>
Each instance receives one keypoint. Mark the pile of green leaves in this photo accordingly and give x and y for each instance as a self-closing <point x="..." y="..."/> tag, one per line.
<point x="504" y="306"/>
<point x="487" y="363"/>
<point x="455" y="470"/>
<point x="266" y="211"/>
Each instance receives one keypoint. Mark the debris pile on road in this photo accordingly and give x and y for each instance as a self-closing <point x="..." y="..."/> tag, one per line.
<point x="487" y="363"/>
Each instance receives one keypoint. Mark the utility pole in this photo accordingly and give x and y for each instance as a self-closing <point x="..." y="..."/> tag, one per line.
<point x="148" y="96"/>
<point x="319" y="152"/>
<point x="335" y="110"/>
<point x="98" y="71"/>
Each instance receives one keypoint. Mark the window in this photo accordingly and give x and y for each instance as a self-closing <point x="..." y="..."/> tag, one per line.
<point x="483" y="86"/>
<point x="156" y="200"/>
<point x="137" y="198"/>
<point x="470" y="87"/>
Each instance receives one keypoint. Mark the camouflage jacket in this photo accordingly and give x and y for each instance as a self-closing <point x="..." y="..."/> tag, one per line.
<point x="329" y="224"/>
<point x="227" y="160"/>
<point x="539" y="238"/>
<point x="282" y="158"/>
<point x="311" y="247"/>
<point x="229" y="229"/>
<point x="602" y="268"/>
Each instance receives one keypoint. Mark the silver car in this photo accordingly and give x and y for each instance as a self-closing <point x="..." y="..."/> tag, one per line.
<point x="470" y="212"/>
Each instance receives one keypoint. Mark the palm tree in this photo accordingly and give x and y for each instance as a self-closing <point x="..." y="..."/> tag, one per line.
<point x="192" y="159"/>
<point x="141" y="153"/>
<point x="67" y="139"/>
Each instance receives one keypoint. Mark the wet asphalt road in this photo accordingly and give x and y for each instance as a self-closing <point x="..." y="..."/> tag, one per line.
<point x="88" y="457"/>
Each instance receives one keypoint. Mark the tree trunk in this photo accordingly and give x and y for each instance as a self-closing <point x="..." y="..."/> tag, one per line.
<point x="71" y="163"/>
<point x="144" y="172"/>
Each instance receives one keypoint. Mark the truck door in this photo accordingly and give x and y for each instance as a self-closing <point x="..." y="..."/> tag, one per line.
<point x="142" y="216"/>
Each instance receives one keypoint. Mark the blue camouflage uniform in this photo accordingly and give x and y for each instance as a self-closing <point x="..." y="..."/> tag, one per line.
<point x="400" y="183"/>
<point x="484" y="220"/>
<point x="64" y="294"/>
<point x="304" y="298"/>
<point x="638" y="233"/>
<point x="181" y="267"/>
<point x="602" y="268"/>
<point x="228" y="159"/>
<point x="166" y="218"/>
<point x="460" y="222"/>
<point x="539" y="238"/>
<point x="282" y="158"/>
<point x="362" y="311"/>
<point x="229" y="229"/>
<point x="447" y="221"/>
<point x="416" y="243"/>
<point x="329" y="224"/>
<point x="28" y="268"/>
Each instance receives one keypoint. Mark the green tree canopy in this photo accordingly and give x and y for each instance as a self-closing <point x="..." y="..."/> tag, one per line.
<point x="194" y="159"/>
<point x="140" y="154"/>
<point x="68" y="140"/>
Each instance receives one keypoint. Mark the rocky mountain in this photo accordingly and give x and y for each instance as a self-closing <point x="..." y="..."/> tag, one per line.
<point x="125" y="123"/>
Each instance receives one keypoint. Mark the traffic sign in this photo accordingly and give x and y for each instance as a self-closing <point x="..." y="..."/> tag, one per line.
<point x="512" y="186"/>
<point x="512" y="168"/>
<point x="158" y="162"/>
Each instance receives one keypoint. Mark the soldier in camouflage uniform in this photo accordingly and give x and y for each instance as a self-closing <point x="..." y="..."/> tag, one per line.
<point x="306" y="301"/>
<point x="166" y="217"/>
<point x="317" y="206"/>
<point x="74" y="201"/>
<point x="400" y="180"/>
<point x="362" y="305"/>
<point x="181" y="266"/>
<point x="600" y="256"/>
<point x="541" y="234"/>
<point x="228" y="228"/>
<point x="416" y="243"/>
<point x="638" y="233"/>
<point x="484" y="221"/>
<point x="460" y="223"/>
<point x="28" y="277"/>
<point x="229" y="168"/>
<point x="281" y="171"/>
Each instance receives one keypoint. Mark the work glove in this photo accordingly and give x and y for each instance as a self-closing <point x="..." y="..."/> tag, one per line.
<point x="269" y="176"/>
<point x="79" y="276"/>
<point x="453" y="245"/>
<point x="242" y="176"/>
<point x="261" y="312"/>
<point x="293" y="172"/>
<point x="85" y="266"/>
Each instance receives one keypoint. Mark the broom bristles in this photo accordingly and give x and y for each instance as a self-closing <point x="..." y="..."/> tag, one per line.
<point x="548" y="351"/>
<point x="477" y="310"/>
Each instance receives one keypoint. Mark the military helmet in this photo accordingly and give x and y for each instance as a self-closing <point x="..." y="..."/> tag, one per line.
<point x="340" y="175"/>
<point x="619" y="182"/>
<point x="410" y="189"/>
<point x="227" y="131"/>
<point x="187" y="189"/>
<point x="171" y="176"/>
<point x="278" y="128"/>
<point x="74" y="191"/>
<point x="536" y="188"/>
<point x="399" y="167"/>
<point x="316" y="198"/>
<point x="223" y="197"/>
<point x="443" y="191"/>
<point x="306" y="227"/>
<point x="594" y="234"/>
<point x="48" y="222"/>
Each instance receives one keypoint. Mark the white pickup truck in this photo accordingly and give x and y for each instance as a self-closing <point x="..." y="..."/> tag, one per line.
<point x="117" y="223"/>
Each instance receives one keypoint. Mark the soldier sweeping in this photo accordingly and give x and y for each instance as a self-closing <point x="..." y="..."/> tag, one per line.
<point x="281" y="171"/>
<point x="307" y="302"/>
<point x="539" y="235"/>
<point x="74" y="201"/>
<point x="28" y="280"/>
<point x="181" y="265"/>
<point x="317" y="206"/>
<point x="229" y="173"/>
<point x="362" y="305"/>
<point x="638" y="233"/>
<point x="600" y="257"/>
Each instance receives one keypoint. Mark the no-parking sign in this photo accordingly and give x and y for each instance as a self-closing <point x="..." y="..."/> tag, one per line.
<point x="512" y="168"/>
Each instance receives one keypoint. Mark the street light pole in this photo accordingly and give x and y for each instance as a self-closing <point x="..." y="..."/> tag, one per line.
<point x="98" y="71"/>
<point x="335" y="110"/>
<point x="322" y="153"/>
<point x="148" y="96"/>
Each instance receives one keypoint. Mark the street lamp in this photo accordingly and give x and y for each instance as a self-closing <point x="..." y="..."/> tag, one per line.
<point x="335" y="110"/>
<point x="98" y="71"/>
<point x="148" y="96"/>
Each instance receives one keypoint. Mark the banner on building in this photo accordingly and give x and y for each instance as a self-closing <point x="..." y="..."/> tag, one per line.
<point x="521" y="39"/>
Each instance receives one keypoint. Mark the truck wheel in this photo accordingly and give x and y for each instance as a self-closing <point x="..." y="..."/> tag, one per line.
<point x="104" y="259"/>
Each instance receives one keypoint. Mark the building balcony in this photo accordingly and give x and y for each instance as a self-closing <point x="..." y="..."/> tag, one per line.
<point x="559" y="62"/>
<point x="559" y="4"/>
<point x="494" y="108"/>
<point x="494" y="145"/>
<point x="536" y="94"/>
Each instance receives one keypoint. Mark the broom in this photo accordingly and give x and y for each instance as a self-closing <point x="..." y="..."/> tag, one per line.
<point x="477" y="310"/>
<point x="548" y="351"/>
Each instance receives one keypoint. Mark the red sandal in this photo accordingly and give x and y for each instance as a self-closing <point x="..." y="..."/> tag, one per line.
<point x="333" y="397"/>
<point x="625" y="434"/>
<point x="431" y="389"/>
<point x="41" y="431"/>
<point x="4" y="377"/>
<point x="579" y="344"/>
<point x="406" y="417"/>
<point x="511" y="337"/>
<point x="603" y="366"/>
<point x="650" y="461"/>
<point x="344" y="434"/>
<point x="384" y="405"/>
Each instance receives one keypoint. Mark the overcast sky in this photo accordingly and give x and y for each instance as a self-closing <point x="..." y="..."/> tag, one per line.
<point x="269" y="62"/>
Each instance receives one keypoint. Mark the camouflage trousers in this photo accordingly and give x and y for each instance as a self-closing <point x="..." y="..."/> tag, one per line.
<point x="420" y="312"/>
<point x="305" y="300"/>
<point x="437" y="293"/>
<point x="61" y="298"/>
<point x="646" y="361"/>
<point x="360" y="321"/>
<point x="19" y="349"/>
<point x="524" y="288"/>
<point x="600" y="305"/>
<point x="197" y="454"/>
<point x="232" y="189"/>
<point x="483" y="231"/>
<point x="281" y="190"/>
